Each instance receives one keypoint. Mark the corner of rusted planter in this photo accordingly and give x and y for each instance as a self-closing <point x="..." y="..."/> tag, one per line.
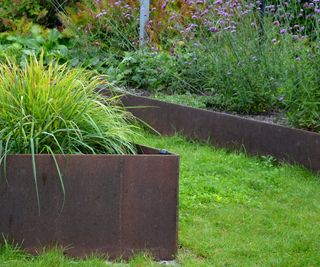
<point x="114" y="205"/>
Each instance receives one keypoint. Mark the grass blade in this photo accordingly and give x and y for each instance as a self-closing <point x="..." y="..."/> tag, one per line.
<point x="35" y="172"/>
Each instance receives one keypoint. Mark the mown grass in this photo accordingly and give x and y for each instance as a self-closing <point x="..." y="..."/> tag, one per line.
<point x="235" y="210"/>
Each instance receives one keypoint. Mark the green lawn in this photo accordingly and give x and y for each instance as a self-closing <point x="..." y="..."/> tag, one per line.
<point x="235" y="210"/>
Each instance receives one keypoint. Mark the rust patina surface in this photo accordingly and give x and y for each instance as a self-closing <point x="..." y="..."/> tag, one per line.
<point x="229" y="131"/>
<point x="114" y="205"/>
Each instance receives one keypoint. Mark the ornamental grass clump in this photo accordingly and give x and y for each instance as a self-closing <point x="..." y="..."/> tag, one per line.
<point x="51" y="109"/>
<point x="56" y="110"/>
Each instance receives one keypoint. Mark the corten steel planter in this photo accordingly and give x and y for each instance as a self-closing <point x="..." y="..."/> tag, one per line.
<point x="229" y="131"/>
<point x="115" y="205"/>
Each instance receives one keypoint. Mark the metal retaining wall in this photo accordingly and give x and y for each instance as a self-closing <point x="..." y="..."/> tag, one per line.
<point x="228" y="131"/>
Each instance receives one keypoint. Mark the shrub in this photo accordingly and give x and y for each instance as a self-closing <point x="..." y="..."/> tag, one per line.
<point x="161" y="71"/>
<point x="31" y="39"/>
<point x="144" y="70"/>
<point x="241" y="70"/>
<point x="43" y="12"/>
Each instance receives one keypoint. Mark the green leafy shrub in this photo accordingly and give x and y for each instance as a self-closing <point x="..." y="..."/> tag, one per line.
<point x="12" y="10"/>
<point x="161" y="71"/>
<point x="31" y="40"/>
<point x="43" y="12"/>
<point x="144" y="70"/>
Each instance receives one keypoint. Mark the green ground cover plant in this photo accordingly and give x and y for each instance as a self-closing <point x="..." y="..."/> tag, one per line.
<point x="33" y="40"/>
<point x="234" y="210"/>
<point x="30" y="39"/>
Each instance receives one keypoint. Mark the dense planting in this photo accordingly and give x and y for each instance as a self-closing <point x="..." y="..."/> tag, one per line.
<point x="231" y="52"/>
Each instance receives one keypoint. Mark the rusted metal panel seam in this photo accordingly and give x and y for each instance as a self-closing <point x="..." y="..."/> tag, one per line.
<point x="121" y="188"/>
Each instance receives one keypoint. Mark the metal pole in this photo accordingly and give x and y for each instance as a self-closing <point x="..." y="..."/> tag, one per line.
<point x="262" y="14"/>
<point x="144" y="17"/>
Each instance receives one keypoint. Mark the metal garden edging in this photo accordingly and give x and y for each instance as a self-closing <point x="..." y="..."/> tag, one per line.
<point x="229" y="131"/>
<point x="115" y="205"/>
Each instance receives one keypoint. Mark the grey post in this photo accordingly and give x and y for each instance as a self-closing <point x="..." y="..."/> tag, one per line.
<point x="144" y="17"/>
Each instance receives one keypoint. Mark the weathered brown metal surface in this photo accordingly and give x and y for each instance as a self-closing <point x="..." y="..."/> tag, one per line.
<point x="114" y="205"/>
<point x="228" y="131"/>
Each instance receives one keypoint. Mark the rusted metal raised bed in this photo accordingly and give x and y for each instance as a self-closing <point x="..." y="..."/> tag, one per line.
<point x="115" y="205"/>
<point x="228" y="131"/>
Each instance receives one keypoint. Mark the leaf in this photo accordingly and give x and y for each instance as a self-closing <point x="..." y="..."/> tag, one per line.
<point x="34" y="168"/>
<point x="28" y="52"/>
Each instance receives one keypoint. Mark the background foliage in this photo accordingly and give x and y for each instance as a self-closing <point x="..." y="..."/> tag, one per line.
<point x="219" y="50"/>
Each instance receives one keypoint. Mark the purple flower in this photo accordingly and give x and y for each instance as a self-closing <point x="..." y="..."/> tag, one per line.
<point x="276" y="23"/>
<point x="101" y="14"/>
<point x="164" y="5"/>
<point x="214" y="29"/>
<point x="283" y="31"/>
